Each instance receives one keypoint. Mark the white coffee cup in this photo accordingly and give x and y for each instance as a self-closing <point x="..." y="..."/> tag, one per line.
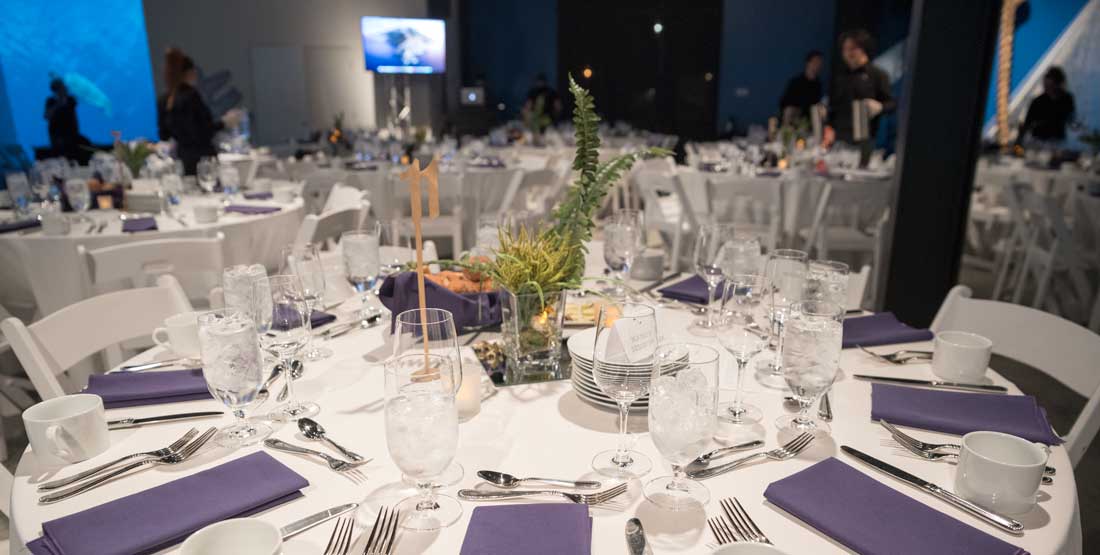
<point x="180" y="334"/>
<point x="960" y="356"/>
<point x="1000" y="472"/>
<point x="239" y="536"/>
<point x="284" y="195"/>
<point x="68" y="429"/>
<point x="55" y="223"/>
<point x="206" y="213"/>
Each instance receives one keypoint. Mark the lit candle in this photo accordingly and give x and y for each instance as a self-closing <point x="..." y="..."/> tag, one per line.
<point x="468" y="400"/>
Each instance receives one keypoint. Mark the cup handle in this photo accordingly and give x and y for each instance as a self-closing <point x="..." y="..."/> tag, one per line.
<point x="156" y="337"/>
<point x="60" y="444"/>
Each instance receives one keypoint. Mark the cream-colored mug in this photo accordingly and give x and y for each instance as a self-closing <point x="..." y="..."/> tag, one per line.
<point x="180" y="334"/>
<point x="68" y="429"/>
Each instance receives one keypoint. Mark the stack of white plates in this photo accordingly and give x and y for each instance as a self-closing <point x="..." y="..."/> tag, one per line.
<point x="581" y="346"/>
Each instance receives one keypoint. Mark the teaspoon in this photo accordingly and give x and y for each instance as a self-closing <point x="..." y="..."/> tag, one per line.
<point x="313" y="430"/>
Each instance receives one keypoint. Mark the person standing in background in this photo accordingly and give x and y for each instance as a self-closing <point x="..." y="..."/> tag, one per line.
<point x="860" y="81"/>
<point x="1050" y="112"/>
<point x="61" y="120"/>
<point x="803" y="90"/>
<point x="182" y="115"/>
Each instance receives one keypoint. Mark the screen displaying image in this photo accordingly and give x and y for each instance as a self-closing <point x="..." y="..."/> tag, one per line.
<point x="404" y="45"/>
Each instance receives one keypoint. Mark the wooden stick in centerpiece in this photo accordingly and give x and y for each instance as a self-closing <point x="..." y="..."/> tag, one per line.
<point x="412" y="176"/>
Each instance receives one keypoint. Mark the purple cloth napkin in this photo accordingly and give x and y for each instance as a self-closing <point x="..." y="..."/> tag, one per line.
<point x="692" y="290"/>
<point x="880" y="329"/>
<point x="531" y="529"/>
<point x="287" y="317"/>
<point x="160" y="517"/>
<point x="957" y="412"/>
<point x="250" y="209"/>
<point x="139" y="224"/>
<point x="318" y="318"/>
<point x="870" y="517"/>
<point x="18" y="225"/>
<point x="259" y="195"/>
<point x="399" y="293"/>
<point x="122" y="389"/>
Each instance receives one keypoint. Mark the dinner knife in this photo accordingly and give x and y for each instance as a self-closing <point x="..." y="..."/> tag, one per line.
<point x="135" y="422"/>
<point x="1003" y="522"/>
<point x="936" y="383"/>
<point x="299" y="526"/>
<point x="151" y="365"/>
<point x="635" y="538"/>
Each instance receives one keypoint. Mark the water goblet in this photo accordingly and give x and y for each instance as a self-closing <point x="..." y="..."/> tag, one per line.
<point x="743" y="341"/>
<point x="784" y="277"/>
<point x="305" y="262"/>
<point x="811" y="352"/>
<point x="826" y="280"/>
<point x="206" y="173"/>
<point x="711" y="245"/>
<point x="741" y="257"/>
<point x="233" y="368"/>
<point x="230" y="179"/>
<point x="619" y="249"/>
<point x="362" y="265"/>
<point x="237" y="285"/>
<point x="282" y="322"/>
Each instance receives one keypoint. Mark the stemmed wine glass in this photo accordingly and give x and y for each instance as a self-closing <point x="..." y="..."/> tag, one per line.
<point x="362" y="265"/>
<point x="80" y="198"/>
<point x="422" y="433"/>
<point x="305" y="262"/>
<point x="784" y="276"/>
<point x="682" y="419"/>
<point x="622" y="243"/>
<point x="742" y="256"/>
<point x="231" y="182"/>
<point x="811" y="352"/>
<point x="710" y="252"/>
<point x="233" y="368"/>
<point x="623" y="361"/>
<point x="282" y="321"/>
<point x="743" y="341"/>
<point x="206" y="173"/>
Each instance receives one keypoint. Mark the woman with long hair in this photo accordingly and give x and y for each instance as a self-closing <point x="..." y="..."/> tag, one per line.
<point x="183" y="116"/>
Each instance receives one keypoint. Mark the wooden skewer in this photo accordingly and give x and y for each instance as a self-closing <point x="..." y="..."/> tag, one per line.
<point x="413" y="175"/>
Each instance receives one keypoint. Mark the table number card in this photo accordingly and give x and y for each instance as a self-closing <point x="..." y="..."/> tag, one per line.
<point x="631" y="339"/>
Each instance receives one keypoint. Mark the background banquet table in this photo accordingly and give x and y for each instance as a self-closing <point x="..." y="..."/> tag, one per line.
<point x="545" y="429"/>
<point x="46" y="268"/>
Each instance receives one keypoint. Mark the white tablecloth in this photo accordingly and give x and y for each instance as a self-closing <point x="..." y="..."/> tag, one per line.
<point x="546" y="430"/>
<point x="41" y="270"/>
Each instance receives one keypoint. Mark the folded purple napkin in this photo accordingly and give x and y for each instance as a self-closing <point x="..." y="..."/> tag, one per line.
<point x="399" y="293"/>
<point x="18" y="225"/>
<point x="122" y="389"/>
<point x="692" y="290"/>
<point x="956" y="412"/>
<point x="160" y="517"/>
<point x="868" y="516"/>
<point x="534" y="529"/>
<point x="880" y="329"/>
<point x="250" y="209"/>
<point x="318" y="318"/>
<point x="139" y="224"/>
<point x="259" y="195"/>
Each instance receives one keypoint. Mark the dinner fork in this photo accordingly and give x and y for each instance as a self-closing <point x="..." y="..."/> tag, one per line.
<point x="721" y="531"/>
<point x="582" y="498"/>
<point x="899" y="357"/>
<point x="176" y="458"/>
<point x="742" y="521"/>
<point x="164" y="452"/>
<point x="384" y="532"/>
<point x="340" y="541"/>
<point x="333" y="463"/>
<point x="787" y="451"/>
<point x="929" y="450"/>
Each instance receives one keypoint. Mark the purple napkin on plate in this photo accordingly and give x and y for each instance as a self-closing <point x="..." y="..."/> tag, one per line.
<point x="531" y="529"/>
<point x="139" y="224"/>
<point x="399" y="293"/>
<point x="131" y="389"/>
<point x="880" y="329"/>
<point x="692" y="290"/>
<point x="259" y="195"/>
<point x="250" y="209"/>
<point x="868" y="516"/>
<point x="18" y="225"/>
<point x="957" y="412"/>
<point x="160" y="517"/>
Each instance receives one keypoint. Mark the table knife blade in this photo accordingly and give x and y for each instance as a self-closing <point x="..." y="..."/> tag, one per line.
<point x="299" y="526"/>
<point x="936" y="383"/>
<point x="135" y="422"/>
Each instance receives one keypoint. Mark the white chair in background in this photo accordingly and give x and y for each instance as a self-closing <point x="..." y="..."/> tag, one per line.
<point x="1055" y="346"/>
<point x="51" y="346"/>
<point x="317" y="187"/>
<point x="299" y="170"/>
<point x="667" y="209"/>
<point x="449" y="222"/>
<point x="753" y="204"/>
<point x="325" y="229"/>
<point x="1050" y="251"/>
<point x="857" y="287"/>
<point x="342" y="197"/>
<point x="1010" y="251"/>
<point x="197" y="262"/>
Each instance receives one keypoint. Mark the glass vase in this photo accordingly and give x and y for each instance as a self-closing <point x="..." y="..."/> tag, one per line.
<point x="531" y="329"/>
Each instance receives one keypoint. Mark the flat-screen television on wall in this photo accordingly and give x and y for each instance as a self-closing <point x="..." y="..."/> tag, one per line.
<point x="404" y="44"/>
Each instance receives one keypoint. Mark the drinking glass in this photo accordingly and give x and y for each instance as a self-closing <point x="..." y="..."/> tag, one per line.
<point x="172" y="185"/>
<point x="422" y="434"/>
<point x="230" y="179"/>
<point x="395" y="247"/>
<point x="826" y="280"/>
<point x="22" y="197"/>
<point x="811" y="351"/>
<point x="741" y="257"/>
<point x="80" y="198"/>
<point x="233" y="368"/>
<point x="282" y="320"/>
<point x="784" y="276"/>
<point x="623" y="361"/>
<point x="206" y="173"/>
<point x="362" y="265"/>
<point x="305" y="262"/>
<point x="620" y="246"/>
<point x="710" y="252"/>
<point x="237" y="285"/>
<point x="743" y="340"/>
<point x="682" y="419"/>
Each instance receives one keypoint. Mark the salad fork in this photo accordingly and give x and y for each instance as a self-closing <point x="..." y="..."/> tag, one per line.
<point x="384" y="532"/>
<point x="900" y="357"/>
<point x="582" y="498"/>
<point x="789" y="450"/>
<point x="742" y="521"/>
<point x="164" y="452"/>
<point x="929" y="450"/>
<point x="722" y="533"/>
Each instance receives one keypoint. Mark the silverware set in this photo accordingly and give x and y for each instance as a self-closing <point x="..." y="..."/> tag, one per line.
<point x="735" y="525"/>
<point x="171" y="455"/>
<point x="507" y="481"/>
<point x="383" y="535"/>
<point x="580" y="498"/>
<point x="901" y="357"/>
<point x="337" y="465"/>
<point x="313" y="430"/>
<point x="789" y="450"/>
<point x="940" y="451"/>
<point x="705" y="458"/>
<point x="160" y="364"/>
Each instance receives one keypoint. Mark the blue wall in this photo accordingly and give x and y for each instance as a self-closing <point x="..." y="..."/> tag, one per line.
<point x="1045" y="22"/>
<point x="100" y="48"/>
<point x="763" y="45"/>
<point x="511" y="42"/>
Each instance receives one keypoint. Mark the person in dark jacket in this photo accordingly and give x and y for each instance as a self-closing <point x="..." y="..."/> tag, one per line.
<point x="60" y="114"/>
<point x="182" y="115"/>
<point x="1049" y="113"/>
<point x="860" y="80"/>
<point x="803" y="90"/>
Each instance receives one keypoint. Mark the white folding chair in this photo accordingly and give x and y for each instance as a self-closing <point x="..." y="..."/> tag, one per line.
<point x="857" y="287"/>
<point x="6" y="481"/>
<point x="753" y="204"/>
<point x="667" y="209"/>
<point x="341" y="197"/>
<point x="449" y="221"/>
<point x="1055" y="346"/>
<point x="197" y="262"/>
<point x="1010" y="251"/>
<point x="51" y="346"/>
<point x="1050" y="251"/>
<point x="317" y="187"/>
<point x="325" y="229"/>
<point x="851" y="216"/>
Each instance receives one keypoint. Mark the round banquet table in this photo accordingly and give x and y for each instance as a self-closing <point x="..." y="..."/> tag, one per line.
<point x="47" y="269"/>
<point x="545" y="430"/>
